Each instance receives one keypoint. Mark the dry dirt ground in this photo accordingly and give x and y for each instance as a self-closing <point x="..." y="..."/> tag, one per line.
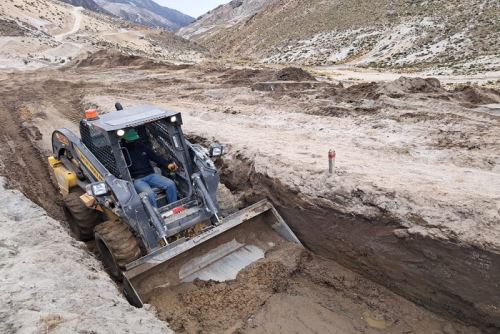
<point x="50" y="284"/>
<point x="412" y="205"/>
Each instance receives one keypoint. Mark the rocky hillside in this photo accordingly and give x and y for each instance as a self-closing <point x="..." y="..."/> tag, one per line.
<point x="36" y="33"/>
<point x="463" y="34"/>
<point x="144" y="12"/>
<point x="87" y="4"/>
<point x="224" y="16"/>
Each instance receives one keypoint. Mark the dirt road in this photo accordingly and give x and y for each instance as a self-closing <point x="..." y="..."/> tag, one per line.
<point x="395" y="211"/>
<point x="77" y="20"/>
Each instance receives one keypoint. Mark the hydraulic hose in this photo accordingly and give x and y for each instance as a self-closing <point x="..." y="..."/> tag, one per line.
<point x="160" y="229"/>
<point x="206" y="196"/>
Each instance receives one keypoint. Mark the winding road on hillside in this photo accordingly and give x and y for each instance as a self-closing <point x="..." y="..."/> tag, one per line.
<point x="77" y="13"/>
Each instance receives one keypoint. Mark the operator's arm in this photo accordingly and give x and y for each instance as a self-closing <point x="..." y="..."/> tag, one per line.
<point x="153" y="156"/>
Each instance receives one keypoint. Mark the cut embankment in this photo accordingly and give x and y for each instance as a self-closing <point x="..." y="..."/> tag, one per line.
<point x="448" y="277"/>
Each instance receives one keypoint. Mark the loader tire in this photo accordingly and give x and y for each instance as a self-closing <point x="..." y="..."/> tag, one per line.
<point x="81" y="219"/>
<point x="117" y="246"/>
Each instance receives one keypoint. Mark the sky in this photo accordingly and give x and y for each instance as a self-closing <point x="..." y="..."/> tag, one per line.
<point x="192" y="7"/>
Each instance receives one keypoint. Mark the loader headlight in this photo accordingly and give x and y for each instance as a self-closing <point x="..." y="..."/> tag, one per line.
<point x="216" y="150"/>
<point x="98" y="189"/>
<point x="120" y="133"/>
<point x="173" y="119"/>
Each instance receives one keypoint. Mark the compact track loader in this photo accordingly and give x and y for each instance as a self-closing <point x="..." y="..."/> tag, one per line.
<point x="149" y="246"/>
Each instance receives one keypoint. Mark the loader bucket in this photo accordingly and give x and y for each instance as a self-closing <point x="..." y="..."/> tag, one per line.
<point x="217" y="254"/>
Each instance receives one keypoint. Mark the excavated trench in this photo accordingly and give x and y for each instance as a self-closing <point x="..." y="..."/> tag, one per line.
<point x="454" y="280"/>
<point x="354" y="275"/>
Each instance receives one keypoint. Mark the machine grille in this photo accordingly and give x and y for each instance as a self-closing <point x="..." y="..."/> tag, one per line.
<point x="104" y="153"/>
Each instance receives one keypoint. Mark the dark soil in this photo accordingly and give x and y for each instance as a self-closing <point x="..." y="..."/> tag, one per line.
<point x="12" y="28"/>
<point x="246" y="76"/>
<point x="107" y="58"/>
<point x="477" y="95"/>
<point x="23" y="165"/>
<point x="294" y="74"/>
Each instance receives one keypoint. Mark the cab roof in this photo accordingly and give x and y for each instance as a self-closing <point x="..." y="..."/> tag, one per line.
<point x="132" y="117"/>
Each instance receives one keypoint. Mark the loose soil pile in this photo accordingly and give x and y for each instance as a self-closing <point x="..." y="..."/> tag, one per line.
<point x="249" y="76"/>
<point x="477" y="95"/>
<point x="363" y="97"/>
<point x="246" y="76"/>
<point x="413" y="85"/>
<point x="410" y="87"/>
<point x="110" y="58"/>
<point x="294" y="74"/>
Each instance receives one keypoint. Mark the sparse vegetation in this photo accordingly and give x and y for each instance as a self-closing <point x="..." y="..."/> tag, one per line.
<point x="381" y="34"/>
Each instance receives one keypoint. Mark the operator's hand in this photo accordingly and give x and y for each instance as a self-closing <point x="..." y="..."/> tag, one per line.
<point x="172" y="167"/>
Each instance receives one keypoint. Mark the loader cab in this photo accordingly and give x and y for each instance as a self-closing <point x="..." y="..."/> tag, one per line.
<point x="157" y="128"/>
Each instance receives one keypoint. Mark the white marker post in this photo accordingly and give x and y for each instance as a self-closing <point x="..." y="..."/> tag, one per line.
<point x="331" y="161"/>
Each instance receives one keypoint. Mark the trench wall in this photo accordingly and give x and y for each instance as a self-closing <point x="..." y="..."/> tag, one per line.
<point x="449" y="278"/>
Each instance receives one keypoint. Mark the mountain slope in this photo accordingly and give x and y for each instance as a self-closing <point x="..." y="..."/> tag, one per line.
<point x="146" y="12"/>
<point x="223" y="16"/>
<point x="380" y="33"/>
<point x="35" y="33"/>
<point x="87" y="4"/>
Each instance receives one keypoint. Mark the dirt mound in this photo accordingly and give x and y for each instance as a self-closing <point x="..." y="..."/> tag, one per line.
<point x="477" y="95"/>
<point x="405" y="85"/>
<point x="208" y="306"/>
<point x="396" y="89"/>
<point x="107" y="58"/>
<point x="294" y="74"/>
<point x="374" y="90"/>
<point x="246" y="76"/>
<point x="417" y="85"/>
<point x="470" y="96"/>
<point x="369" y="90"/>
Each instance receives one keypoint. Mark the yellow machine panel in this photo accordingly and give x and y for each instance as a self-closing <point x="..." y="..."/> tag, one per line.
<point x="65" y="178"/>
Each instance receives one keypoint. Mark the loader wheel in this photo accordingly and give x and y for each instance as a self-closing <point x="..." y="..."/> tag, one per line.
<point x="81" y="219"/>
<point x="117" y="246"/>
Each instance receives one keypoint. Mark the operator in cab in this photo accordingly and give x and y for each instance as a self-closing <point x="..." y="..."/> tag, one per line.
<point x="143" y="173"/>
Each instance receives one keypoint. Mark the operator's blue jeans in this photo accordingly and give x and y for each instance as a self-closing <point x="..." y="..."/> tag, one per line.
<point x="145" y="183"/>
